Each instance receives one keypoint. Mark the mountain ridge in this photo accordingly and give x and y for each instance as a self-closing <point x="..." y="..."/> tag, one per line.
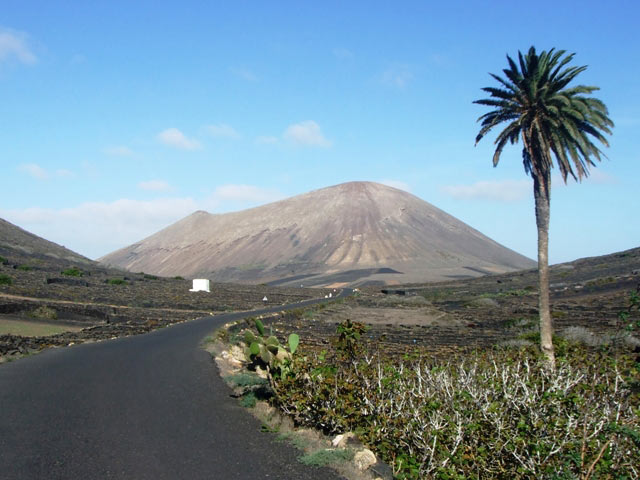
<point x="15" y="238"/>
<point x="353" y="226"/>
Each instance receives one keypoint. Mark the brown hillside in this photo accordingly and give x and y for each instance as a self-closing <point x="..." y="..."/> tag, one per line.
<point x="354" y="233"/>
<point x="15" y="239"/>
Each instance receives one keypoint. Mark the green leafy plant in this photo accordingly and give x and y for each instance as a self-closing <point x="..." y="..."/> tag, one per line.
<point x="25" y="268"/>
<point x="116" y="281"/>
<point x="3" y="261"/>
<point x="493" y="414"/>
<point x="633" y="305"/>
<point x="245" y="380"/>
<point x="248" y="400"/>
<point x="326" y="456"/>
<point x="44" y="312"/>
<point x="5" y="279"/>
<point x="265" y="351"/>
<point x="348" y="343"/>
<point x="73" y="272"/>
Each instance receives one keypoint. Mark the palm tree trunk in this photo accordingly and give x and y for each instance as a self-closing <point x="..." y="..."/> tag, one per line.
<point x="541" y="193"/>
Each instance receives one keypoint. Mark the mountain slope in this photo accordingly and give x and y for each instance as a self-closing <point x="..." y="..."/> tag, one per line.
<point x="14" y="239"/>
<point x="362" y="231"/>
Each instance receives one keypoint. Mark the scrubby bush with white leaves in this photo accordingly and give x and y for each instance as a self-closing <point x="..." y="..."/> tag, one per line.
<point x="497" y="414"/>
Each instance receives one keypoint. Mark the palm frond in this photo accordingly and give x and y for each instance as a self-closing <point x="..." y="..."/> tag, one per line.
<point x="554" y="120"/>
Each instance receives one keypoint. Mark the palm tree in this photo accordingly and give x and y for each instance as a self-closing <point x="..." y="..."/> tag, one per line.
<point x="553" y="121"/>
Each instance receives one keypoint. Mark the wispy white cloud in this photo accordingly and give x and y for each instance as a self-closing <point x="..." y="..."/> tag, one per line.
<point x="155" y="186"/>
<point x="600" y="177"/>
<point x="627" y="121"/>
<point x="342" y="53"/>
<point x="399" y="184"/>
<point x="64" y="173"/>
<point x="439" y="59"/>
<point x="307" y="133"/>
<point x="266" y="140"/>
<point x="243" y="193"/>
<point x="244" y="73"/>
<point x="397" y="76"/>
<point x="498" y="191"/>
<point x="596" y="177"/>
<point x="35" y="171"/>
<point x="77" y="59"/>
<point x="222" y="130"/>
<point x="175" y="138"/>
<point x="97" y="228"/>
<point x="16" y="44"/>
<point x="119" y="151"/>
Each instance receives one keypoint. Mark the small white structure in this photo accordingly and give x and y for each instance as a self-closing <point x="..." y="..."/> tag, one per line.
<point x="265" y="300"/>
<point x="200" y="285"/>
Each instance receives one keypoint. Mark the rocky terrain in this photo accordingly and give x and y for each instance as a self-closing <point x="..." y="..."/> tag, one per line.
<point x="44" y="283"/>
<point x="443" y="318"/>
<point x="357" y="233"/>
<point x="587" y="296"/>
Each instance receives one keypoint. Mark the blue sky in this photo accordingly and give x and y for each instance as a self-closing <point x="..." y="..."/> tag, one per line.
<point x="119" y="118"/>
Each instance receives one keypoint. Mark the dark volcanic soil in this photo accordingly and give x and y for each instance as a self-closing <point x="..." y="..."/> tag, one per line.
<point x="111" y="302"/>
<point x="440" y="318"/>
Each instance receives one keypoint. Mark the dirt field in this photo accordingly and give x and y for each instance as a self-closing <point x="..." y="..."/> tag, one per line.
<point x="13" y="325"/>
<point x="439" y="318"/>
<point x="587" y="297"/>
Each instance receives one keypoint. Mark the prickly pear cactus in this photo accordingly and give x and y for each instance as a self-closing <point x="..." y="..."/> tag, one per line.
<point x="266" y="351"/>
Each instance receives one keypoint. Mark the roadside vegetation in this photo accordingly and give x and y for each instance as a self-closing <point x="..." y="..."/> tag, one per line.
<point x="493" y="413"/>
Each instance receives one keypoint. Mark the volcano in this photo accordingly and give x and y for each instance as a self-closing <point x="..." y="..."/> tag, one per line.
<point x="356" y="233"/>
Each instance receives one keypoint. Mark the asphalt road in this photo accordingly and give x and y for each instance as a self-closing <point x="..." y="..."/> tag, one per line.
<point x="144" y="407"/>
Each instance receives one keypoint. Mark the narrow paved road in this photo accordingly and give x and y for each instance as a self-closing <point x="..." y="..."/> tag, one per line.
<point x="144" y="407"/>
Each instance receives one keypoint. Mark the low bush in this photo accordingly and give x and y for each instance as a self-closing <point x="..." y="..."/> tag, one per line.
<point x="25" y="268"/>
<point x="248" y="400"/>
<point x="5" y="279"/>
<point x="246" y="380"/>
<point x="73" y="272"/>
<point x="3" y="261"/>
<point x="44" y="312"/>
<point x="321" y="458"/>
<point x="116" y="281"/>
<point x="496" y="414"/>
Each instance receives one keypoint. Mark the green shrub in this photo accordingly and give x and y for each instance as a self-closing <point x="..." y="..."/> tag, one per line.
<point x="321" y="458"/>
<point x="5" y="279"/>
<point x="44" y="312"/>
<point x="348" y="343"/>
<point x="3" y="261"/>
<point x="116" y="281"/>
<point x="246" y="380"/>
<point x="150" y="277"/>
<point x="494" y="414"/>
<point x="25" y="268"/>
<point x="73" y="272"/>
<point x="248" y="400"/>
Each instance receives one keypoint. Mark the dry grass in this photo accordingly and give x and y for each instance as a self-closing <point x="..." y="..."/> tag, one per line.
<point x="29" y="328"/>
